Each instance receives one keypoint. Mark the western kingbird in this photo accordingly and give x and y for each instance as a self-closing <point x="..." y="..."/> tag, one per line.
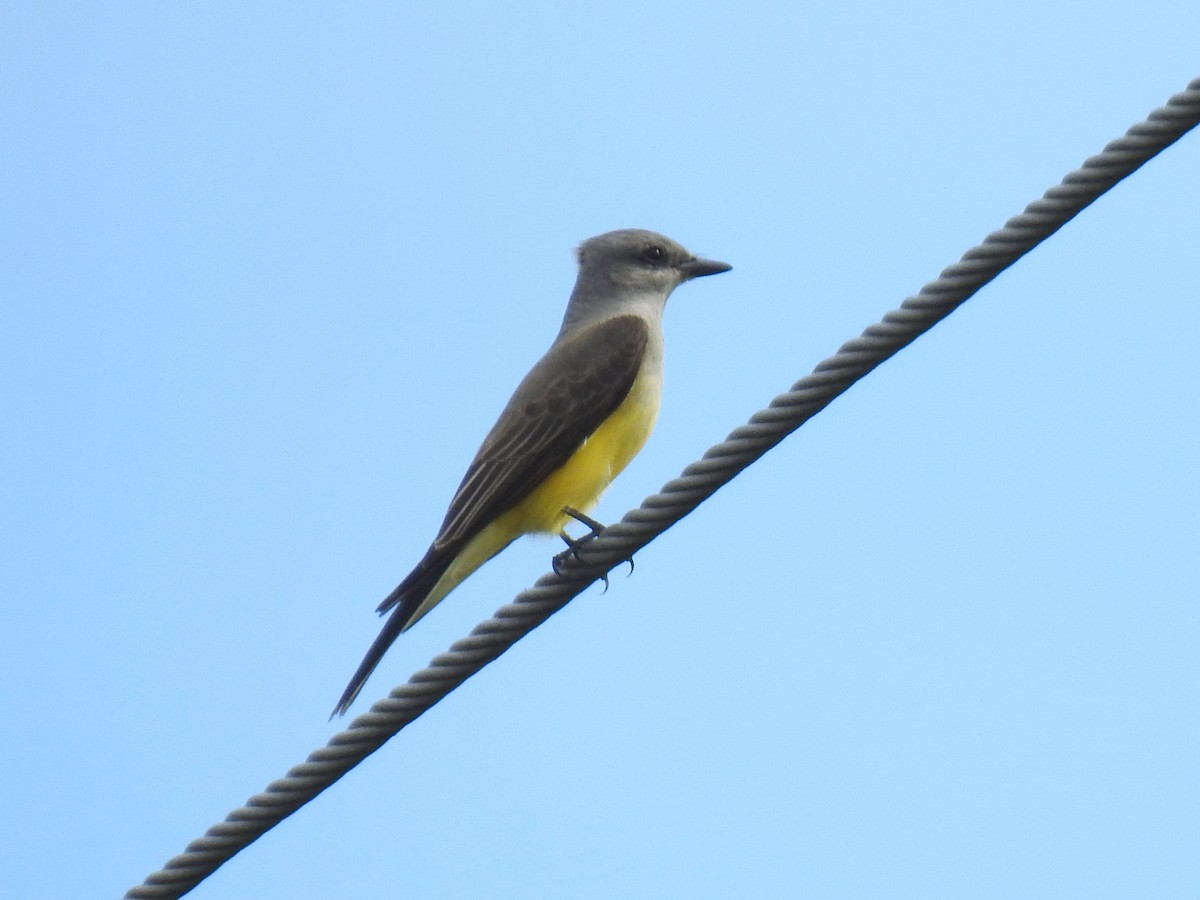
<point x="574" y="422"/>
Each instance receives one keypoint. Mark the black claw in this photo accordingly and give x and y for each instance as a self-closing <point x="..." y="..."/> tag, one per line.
<point x="573" y="544"/>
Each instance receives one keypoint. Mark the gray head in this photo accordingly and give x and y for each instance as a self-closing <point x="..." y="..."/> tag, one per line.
<point x="631" y="266"/>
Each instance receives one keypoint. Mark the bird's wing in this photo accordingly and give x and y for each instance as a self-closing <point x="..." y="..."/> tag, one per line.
<point x="578" y="384"/>
<point x="565" y="397"/>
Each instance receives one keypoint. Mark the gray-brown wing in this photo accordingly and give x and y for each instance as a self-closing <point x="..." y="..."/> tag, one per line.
<point x="578" y="384"/>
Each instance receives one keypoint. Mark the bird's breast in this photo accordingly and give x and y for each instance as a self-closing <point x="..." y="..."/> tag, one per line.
<point x="583" y="478"/>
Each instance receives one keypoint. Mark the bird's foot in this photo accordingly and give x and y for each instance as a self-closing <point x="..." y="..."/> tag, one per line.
<point x="574" y="544"/>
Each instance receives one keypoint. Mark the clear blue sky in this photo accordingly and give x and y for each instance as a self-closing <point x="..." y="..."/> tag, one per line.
<point x="270" y="271"/>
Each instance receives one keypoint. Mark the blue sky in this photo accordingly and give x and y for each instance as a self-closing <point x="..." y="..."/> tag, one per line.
<point x="271" y="270"/>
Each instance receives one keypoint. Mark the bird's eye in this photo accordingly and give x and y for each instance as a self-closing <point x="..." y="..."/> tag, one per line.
<point x="654" y="254"/>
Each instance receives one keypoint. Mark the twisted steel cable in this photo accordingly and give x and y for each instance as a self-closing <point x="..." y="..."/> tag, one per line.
<point x="766" y="428"/>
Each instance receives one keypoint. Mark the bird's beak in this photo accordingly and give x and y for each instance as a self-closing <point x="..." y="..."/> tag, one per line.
<point x="696" y="267"/>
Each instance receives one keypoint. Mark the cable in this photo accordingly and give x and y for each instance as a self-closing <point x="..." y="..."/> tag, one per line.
<point x="766" y="428"/>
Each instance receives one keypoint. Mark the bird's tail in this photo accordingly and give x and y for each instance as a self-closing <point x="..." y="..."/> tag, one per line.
<point x="405" y="602"/>
<point x="391" y="630"/>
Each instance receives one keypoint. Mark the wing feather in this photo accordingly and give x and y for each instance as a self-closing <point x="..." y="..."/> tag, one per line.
<point x="565" y="397"/>
<point x="578" y="384"/>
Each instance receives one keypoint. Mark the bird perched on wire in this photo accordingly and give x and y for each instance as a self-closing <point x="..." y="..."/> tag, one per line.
<point x="575" y="421"/>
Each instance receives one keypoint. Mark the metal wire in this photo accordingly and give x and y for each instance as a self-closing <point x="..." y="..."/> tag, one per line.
<point x="765" y="429"/>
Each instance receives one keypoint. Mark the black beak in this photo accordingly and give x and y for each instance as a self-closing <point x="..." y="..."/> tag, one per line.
<point x="697" y="267"/>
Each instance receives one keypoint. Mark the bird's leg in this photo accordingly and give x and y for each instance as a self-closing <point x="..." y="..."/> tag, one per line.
<point x="591" y="523"/>
<point x="573" y="544"/>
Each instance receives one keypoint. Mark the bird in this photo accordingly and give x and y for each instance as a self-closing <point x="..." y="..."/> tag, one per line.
<point x="575" y="421"/>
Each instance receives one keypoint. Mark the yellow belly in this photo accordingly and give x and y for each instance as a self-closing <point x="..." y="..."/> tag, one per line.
<point x="581" y="481"/>
<point x="578" y="484"/>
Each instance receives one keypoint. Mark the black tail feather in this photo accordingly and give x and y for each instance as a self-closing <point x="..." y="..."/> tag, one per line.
<point x="391" y="630"/>
<point x="410" y="593"/>
<point x="403" y="602"/>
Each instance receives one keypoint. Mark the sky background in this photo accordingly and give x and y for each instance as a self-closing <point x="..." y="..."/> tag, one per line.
<point x="269" y="272"/>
